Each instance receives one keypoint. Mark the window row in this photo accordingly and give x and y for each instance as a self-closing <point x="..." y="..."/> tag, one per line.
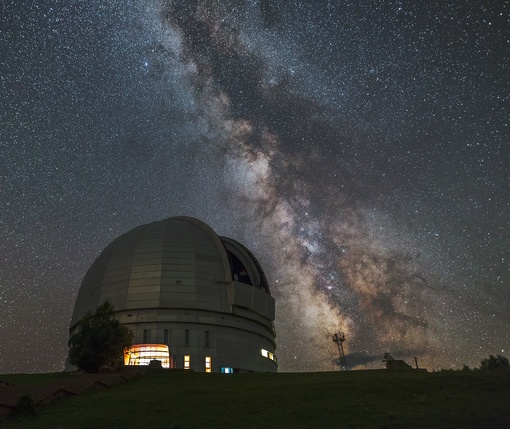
<point x="207" y="366"/>
<point x="147" y="337"/>
<point x="143" y="354"/>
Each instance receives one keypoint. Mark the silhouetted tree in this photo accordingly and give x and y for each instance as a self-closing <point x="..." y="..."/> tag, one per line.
<point x="494" y="362"/>
<point x="99" y="344"/>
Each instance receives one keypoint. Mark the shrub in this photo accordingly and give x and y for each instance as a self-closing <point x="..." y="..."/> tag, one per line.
<point x="24" y="407"/>
<point x="494" y="362"/>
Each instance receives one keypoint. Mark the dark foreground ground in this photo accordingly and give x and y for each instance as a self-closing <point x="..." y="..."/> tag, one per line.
<point x="354" y="399"/>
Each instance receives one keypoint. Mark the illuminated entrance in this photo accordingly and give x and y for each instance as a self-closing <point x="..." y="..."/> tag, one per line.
<point x="142" y="354"/>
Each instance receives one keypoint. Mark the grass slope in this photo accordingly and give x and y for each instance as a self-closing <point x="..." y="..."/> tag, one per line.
<point x="354" y="399"/>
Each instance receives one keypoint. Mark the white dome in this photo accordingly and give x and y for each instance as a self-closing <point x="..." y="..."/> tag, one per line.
<point x="177" y="272"/>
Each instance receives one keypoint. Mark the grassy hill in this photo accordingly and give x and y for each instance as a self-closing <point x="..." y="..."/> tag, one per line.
<point x="354" y="399"/>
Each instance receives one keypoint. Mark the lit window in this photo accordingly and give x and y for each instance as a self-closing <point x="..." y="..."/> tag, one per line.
<point x="208" y="364"/>
<point x="268" y="355"/>
<point x="186" y="361"/>
<point x="226" y="370"/>
<point x="142" y="354"/>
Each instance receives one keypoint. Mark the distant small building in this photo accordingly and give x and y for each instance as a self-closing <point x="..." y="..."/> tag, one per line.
<point x="394" y="364"/>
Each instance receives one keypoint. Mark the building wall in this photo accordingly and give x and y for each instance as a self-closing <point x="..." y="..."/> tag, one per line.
<point x="228" y="347"/>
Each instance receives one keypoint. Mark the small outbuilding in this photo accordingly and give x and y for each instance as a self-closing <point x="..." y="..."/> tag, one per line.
<point x="394" y="364"/>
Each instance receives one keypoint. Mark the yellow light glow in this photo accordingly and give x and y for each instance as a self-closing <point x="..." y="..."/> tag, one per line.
<point x="142" y="354"/>
<point x="208" y="366"/>
<point x="268" y="354"/>
<point x="186" y="361"/>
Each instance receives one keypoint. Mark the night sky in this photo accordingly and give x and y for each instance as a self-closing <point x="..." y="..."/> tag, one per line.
<point x="359" y="148"/>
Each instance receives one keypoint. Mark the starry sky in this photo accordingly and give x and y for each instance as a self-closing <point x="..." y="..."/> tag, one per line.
<point x="360" y="149"/>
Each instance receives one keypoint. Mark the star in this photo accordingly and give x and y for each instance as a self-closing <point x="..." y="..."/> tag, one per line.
<point x="359" y="149"/>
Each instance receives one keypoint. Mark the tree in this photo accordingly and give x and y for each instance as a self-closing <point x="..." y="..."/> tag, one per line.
<point x="99" y="344"/>
<point x="494" y="362"/>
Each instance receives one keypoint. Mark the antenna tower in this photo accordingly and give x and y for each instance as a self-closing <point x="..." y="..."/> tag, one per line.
<point x="339" y="340"/>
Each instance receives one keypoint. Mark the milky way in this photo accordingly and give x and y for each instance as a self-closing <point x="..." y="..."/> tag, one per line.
<point x="360" y="150"/>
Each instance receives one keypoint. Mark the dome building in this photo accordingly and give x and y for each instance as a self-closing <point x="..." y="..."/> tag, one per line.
<point x="193" y="300"/>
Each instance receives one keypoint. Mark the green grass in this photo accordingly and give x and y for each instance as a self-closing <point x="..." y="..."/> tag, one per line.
<point x="354" y="399"/>
<point x="33" y="379"/>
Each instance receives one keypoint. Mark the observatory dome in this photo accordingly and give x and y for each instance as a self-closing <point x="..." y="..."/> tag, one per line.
<point x="176" y="283"/>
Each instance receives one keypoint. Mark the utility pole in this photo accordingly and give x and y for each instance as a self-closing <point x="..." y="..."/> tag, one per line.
<point x="339" y="340"/>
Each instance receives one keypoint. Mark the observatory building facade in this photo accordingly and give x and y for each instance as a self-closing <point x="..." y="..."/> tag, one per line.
<point x="193" y="300"/>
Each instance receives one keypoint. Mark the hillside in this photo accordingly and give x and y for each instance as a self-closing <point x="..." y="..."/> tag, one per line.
<point x="354" y="399"/>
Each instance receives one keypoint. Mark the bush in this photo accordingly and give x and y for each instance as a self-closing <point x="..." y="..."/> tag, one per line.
<point x="99" y="344"/>
<point x="495" y="362"/>
<point x="24" y="407"/>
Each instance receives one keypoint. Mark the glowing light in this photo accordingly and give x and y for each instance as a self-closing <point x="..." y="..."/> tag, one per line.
<point x="268" y="354"/>
<point x="142" y="354"/>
